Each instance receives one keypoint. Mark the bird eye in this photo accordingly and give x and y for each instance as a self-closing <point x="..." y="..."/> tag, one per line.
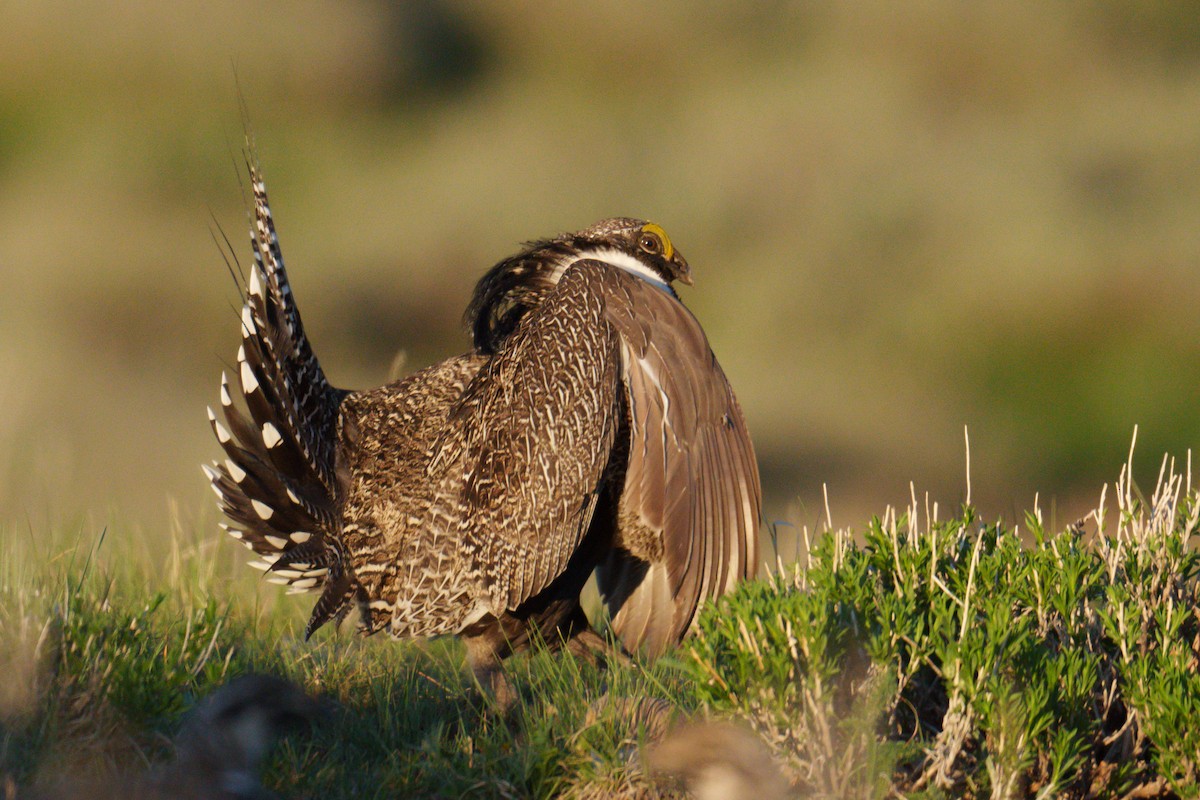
<point x="652" y="239"/>
<point x="651" y="244"/>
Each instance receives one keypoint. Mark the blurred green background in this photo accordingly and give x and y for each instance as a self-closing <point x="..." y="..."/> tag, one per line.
<point x="902" y="219"/>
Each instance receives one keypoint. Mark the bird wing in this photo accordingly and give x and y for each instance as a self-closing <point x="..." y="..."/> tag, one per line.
<point x="689" y="510"/>
<point x="541" y="420"/>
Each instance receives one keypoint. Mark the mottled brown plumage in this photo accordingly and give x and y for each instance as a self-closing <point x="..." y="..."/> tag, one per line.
<point x="589" y="430"/>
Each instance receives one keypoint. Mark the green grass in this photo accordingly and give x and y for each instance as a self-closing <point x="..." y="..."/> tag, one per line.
<point x="925" y="657"/>
<point x="109" y="663"/>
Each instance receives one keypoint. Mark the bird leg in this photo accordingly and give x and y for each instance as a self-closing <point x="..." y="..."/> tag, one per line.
<point x="486" y="651"/>
<point x="588" y="645"/>
<point x="559" y="623"/>
<point x="553" y="616"/>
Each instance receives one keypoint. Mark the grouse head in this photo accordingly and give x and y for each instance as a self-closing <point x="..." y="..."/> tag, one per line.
<point x="518" y="284"/>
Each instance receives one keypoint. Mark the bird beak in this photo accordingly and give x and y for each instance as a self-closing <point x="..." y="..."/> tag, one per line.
<point x="683" y="273"/>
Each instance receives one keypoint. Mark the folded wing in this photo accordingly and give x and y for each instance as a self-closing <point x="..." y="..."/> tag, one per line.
<point x="689" y="511"/>
<point x="543" y="418"/>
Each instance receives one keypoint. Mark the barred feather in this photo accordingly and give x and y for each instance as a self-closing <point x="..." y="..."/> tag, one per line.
<point x="512" y="289"/>
<point x="285" y="388"/>
<point x="277" y="485"/>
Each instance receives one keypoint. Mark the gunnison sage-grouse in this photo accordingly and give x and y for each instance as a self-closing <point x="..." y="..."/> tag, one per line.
<point x="589" y="429"/>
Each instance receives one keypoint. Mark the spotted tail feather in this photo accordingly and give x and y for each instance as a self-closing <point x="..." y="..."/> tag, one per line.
<point x="278" y="484"/>
<point x="295" y="408"/>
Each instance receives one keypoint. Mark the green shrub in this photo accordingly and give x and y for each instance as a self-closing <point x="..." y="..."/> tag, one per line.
<point x="1015" y="663"/>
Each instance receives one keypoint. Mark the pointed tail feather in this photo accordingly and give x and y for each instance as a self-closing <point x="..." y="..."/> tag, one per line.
<point x="286" y="390"/>
<point x="335" y="601"/>
<point x="278" y="483"/>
